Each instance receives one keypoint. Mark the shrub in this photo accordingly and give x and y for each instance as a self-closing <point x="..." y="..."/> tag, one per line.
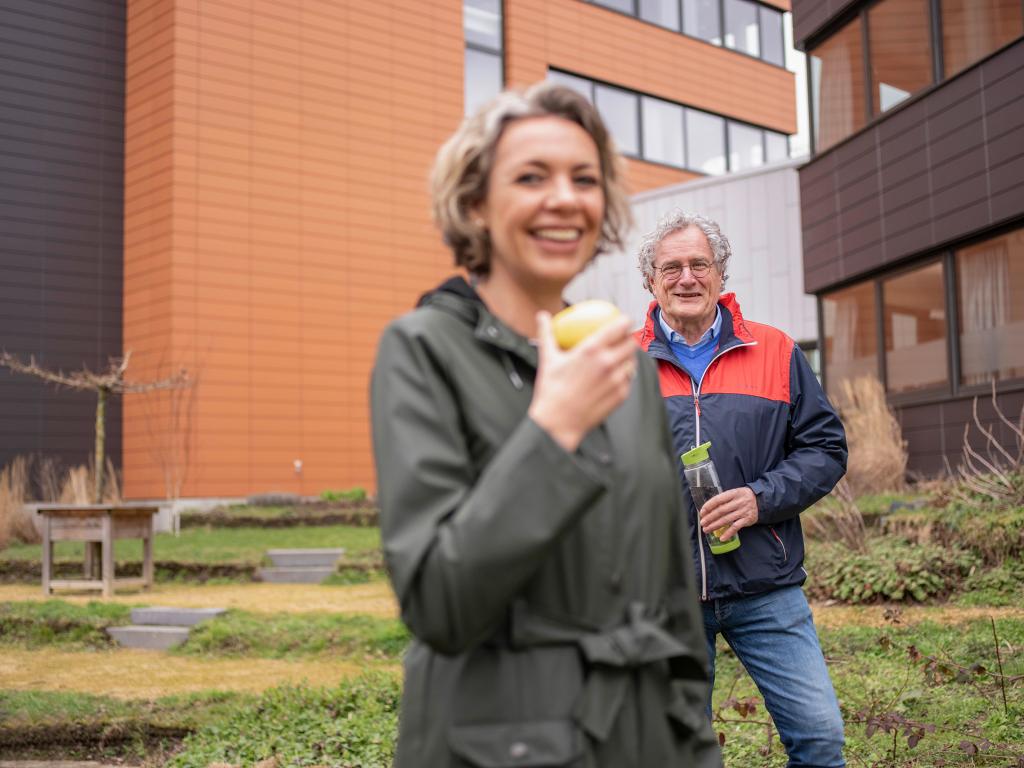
<point x="352" y="725"/>
<point x="274" y="500"/>
<point x="878" y="453"/>
<point x="889" y="569"/>
<point x="351" y="494"/>
<point x="995" y="532"/>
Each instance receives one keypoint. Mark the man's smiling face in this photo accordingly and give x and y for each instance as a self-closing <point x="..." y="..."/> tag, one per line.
<point x="687" y="303"/>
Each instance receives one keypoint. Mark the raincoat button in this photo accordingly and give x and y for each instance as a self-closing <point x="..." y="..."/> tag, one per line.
<point x="518" y="750"/>
<point x="616" y="581"/>
<point x="492" y="331"/>
<point x="604" y="458"/>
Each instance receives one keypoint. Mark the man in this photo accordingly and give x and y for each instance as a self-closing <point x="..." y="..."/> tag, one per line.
<point x="778" y="446"/>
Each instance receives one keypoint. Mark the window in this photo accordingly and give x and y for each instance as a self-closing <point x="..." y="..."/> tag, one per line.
<point x="482" y="30"/>
<point x="618" y="108"/>
<point x="701" y="19"/>
<point x="914" y="313"/>
<point x="972" y="29"/>
<point x="749" y="27"/>
<point x="741" y="28"/>
<point x="851" y="338"/>
<point x="900" y="50"/>
<point x="746" y="147"/>
<point x="837" y="86"/>
<point x="990" y="306"/>
<point x="483" y="78"/>
<point x="663" y="131"/>
<point x="776" y="146"/>
<point x="705" y="141"/>
<point x="626" y="6"/>
<point x="664" y="13"/>
<point x="581" y="85"/>
<point x="772" y="37"/>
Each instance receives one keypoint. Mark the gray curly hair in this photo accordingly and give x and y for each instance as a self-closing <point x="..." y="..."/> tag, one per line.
<point x="676" y="221"/>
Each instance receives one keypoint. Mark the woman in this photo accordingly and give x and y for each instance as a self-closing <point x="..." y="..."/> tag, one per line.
<point x="529" y="501"/>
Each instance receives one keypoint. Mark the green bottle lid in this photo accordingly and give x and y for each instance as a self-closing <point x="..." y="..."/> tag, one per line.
<point x="696" y="455"/>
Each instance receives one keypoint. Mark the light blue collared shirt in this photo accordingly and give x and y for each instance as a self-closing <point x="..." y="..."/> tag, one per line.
<point x="697" y="357"/>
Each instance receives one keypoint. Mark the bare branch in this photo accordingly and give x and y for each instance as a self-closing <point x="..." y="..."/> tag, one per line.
<point x="32" y="368"/>
<point x="992" y="441"/>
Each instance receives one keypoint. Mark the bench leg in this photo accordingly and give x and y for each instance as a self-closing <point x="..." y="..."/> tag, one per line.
<point x="47" y="555"/>
<point x="108" y="556"/>
<point x="147" y="560"/>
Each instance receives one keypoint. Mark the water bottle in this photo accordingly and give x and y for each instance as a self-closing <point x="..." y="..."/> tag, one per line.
<point x="702" y="477"/>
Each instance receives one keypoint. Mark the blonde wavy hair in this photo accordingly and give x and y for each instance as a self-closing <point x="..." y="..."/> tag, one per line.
<point x="458" y="182"/>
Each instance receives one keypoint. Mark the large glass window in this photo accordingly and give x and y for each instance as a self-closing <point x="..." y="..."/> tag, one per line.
<point x="619" y="110"/>
<point x="776" y="146"/>
<point x="837" y="86"/>
<point x="914" y="313"/>
<point x="772" y="37"/>
<point x="990" y="299"/>
<point x="484" y="73"/>
<point x="705" y="142"/>
<point x="665" y="13"/>
<point x="626" y="6"/>
<point x="701" y="19"/>
<point x="663" y="131"/>
<point x="972" y="29"/>
<point x="741" y="27"/>
<point x="483" y="78"/>
<point x="901" y="51"/>
<point x="666" y="132"/>
<point x="851" y="338"/>
<point x="746" y="147"/>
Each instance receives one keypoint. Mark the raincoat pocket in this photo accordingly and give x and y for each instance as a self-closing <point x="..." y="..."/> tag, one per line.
<point x="685" y="710"/>
<point x="549" y="743"/>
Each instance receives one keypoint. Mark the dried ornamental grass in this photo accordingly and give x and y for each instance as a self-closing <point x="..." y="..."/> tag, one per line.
<point x="15" y="521"/>
<point x="878" y="452"/>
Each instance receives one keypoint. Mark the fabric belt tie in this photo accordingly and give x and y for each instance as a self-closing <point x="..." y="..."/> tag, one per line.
<point x="611" y="656"/>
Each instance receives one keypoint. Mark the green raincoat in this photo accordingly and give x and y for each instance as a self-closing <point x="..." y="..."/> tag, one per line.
<point x="550" y="594"/>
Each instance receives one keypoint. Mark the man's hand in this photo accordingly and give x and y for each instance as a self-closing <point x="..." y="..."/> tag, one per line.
<point x="731" y="510"/>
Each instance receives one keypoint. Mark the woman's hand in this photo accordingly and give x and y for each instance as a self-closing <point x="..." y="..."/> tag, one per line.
<point x="577" y="389"/>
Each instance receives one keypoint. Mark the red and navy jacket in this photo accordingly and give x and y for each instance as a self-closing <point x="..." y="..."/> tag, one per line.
<point x="771" y="428"/>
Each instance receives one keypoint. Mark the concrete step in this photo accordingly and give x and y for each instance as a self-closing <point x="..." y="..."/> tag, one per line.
<point x="311" y="575"/>
<point x="174" y="617"/>
<point x="301" y="558"/>
<point x="149" y="637"/>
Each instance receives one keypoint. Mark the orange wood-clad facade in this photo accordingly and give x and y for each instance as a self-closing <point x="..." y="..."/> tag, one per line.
<point x="276" y="209"/>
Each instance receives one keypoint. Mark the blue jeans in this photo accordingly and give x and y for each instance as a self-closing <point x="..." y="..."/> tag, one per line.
<point x="773" y="636"/>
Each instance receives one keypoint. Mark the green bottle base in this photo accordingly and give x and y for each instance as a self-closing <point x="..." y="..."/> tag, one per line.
<point x="721" y="547"/>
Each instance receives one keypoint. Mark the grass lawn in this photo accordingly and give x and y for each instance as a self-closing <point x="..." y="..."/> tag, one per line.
<point x="221" y="545"/>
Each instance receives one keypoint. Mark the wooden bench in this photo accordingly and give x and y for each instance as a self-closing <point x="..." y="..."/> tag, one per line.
<point x="98" y="526"/>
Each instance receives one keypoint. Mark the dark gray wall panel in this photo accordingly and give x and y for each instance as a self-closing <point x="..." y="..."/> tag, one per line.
<point x="61" y="216"/>
<point x="944" y="168"/>
<point x="935" y="432"/>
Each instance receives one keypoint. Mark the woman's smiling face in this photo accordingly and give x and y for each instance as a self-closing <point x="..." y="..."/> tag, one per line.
<point x="545" y="202"/>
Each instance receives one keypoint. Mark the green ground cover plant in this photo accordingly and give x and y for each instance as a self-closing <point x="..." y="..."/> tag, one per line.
<point x="239" y="633"/>
<point x="56" y="622"/>
<point x="925" y="696"/>
<point x="350" y="726"/>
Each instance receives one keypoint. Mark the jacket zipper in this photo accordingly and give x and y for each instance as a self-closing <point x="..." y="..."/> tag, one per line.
<point x="701" y="539"/>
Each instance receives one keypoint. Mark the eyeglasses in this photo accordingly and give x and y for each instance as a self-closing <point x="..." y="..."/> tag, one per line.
<point x="674" y="270"/>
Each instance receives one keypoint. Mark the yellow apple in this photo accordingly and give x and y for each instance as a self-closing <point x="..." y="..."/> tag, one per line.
<point x="575" y="323"/>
